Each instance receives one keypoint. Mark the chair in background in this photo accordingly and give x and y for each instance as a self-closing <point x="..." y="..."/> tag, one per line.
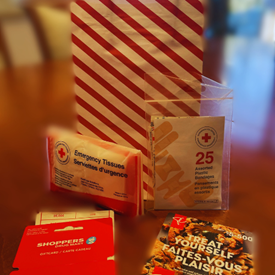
<point x="53" y="26"/>
<point x="33" y="33"/>
<point x="18" y="41"/>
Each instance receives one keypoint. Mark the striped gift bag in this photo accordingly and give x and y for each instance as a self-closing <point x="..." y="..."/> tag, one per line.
<point x="117" y="42"/>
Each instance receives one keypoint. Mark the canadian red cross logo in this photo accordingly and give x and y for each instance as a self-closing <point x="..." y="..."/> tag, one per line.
<point x="61" y="153"/>
<point x="206" y="137"/>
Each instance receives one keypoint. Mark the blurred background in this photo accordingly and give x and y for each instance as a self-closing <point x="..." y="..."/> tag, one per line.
<point x="239" y="53"/>
<point x="242" y="34"/>
<point x="36" y="89"/>
<point x="239" y="49"/>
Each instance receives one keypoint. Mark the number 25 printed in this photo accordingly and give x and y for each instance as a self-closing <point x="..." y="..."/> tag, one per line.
<point x="205" y="158"/>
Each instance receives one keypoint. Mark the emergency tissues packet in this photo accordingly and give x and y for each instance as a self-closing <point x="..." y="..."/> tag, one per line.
<point x="189" y="140"/>
<point x="108" y="173"/>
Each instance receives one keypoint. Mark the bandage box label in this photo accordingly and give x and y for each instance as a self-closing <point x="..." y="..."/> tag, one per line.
<point x="190" y="246"/>
<point x="67" y="247"/>
<point x="187" y="159"/>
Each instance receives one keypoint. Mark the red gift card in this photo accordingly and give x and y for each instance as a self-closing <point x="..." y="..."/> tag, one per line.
<point x="80" y="247"/>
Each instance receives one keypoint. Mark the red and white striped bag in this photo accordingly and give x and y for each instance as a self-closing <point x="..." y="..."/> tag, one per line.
<point x="117" y="42"/>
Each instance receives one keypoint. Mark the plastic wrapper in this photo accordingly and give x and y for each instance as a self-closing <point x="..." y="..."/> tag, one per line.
<point x="108" y="173"/>
<point x="189" y="140"/>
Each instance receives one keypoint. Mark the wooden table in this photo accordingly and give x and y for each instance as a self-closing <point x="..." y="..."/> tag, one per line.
<point x="34" y="97"/>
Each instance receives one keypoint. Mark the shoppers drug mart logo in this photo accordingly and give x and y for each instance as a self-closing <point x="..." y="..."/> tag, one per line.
<point x="91" y="240"/>
<point x="62" y="152"/>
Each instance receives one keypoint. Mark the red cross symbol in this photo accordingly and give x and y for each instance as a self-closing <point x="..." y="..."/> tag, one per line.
<point x="61" y="153"/>
<point x="206" y="137"/>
